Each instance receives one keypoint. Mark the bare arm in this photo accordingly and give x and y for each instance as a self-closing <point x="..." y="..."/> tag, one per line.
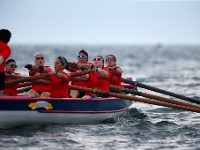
<point x="102" y="72"/>
<point x="62" y="76"/>
<point x="1" y="60"/>
<point x="81" y="78"/>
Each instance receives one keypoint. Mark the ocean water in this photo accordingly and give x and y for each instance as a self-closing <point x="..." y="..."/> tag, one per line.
<point x="174" y="68"/>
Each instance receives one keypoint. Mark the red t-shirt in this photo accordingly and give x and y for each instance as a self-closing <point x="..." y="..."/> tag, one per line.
<point x="97" y="82"/>
<point x="5" y="51"/>
<point x="58" y="87"/>
<point x="78" y="83"/>
<point x="115" y="79"/>
<point x="11" y="89"/>
<point x="40" y="87"/>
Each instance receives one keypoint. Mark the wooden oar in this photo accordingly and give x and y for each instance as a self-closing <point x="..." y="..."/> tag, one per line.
<point x="24" y="84"/>
<point x="149" y="101"/>
<point x="151" y="96"/>
<point x="25" y="79"/>
<point x="39" y="81"/>
<point x="135" y="83"/>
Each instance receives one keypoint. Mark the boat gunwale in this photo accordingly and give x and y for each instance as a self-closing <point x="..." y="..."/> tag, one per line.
<point x="28" y="98"/>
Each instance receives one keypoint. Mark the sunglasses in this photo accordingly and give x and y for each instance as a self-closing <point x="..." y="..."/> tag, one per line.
<point x="82" y="56"/>
<point x="38" y="58"/>
<point x="97" y="59"/>
<point x="109" y="59"/>
<point x="13" y="66"/>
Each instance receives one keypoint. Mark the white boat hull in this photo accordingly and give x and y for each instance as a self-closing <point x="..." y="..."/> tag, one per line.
<point x="26" y="111"/>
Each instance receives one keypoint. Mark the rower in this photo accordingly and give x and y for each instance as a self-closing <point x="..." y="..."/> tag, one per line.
<point x="38" y="90"/>
<point x="58" y="79"/>
<point x="82" y="64"/>
<point x="115" y="72"/>
<point x="99" y="78"/>
<point x="5" y="52"/>
<point x="10" y="67"/>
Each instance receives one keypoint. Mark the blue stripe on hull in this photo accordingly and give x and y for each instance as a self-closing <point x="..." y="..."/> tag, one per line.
<point x="66" y="104"/>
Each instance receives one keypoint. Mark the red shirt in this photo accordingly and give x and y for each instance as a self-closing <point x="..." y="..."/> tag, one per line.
<point x="58" y="87"/>
<point x="78" y="83"/>
<point x="40" y="87"/>
<point x="97" y="82"/>
<point x="115" y="79"/>
<point x="5" y="51"/>
<point x="11" y="89"/>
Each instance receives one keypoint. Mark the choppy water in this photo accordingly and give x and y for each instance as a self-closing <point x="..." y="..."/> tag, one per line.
<point x="144" y="126"/>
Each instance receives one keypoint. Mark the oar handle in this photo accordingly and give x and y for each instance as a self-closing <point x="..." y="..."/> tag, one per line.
<point x="160" y="90"/>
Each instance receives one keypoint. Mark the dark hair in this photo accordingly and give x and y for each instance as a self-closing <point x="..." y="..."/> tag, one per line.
<point x="9" y="61"/>
<point x="84" y="52"/>
<point x="5" y="35"/>
<point x="112" y="56"/>
<point x="64" y="62"/>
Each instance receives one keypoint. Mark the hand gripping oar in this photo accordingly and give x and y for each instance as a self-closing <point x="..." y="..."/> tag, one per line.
<point x="151" y="96"/>
<point x="24" y="89"/>
<point x="159" y="90"/>
<point x="134" y="98"/>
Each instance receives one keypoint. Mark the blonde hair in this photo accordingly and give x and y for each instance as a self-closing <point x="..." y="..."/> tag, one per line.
<point x="38" y="54"/>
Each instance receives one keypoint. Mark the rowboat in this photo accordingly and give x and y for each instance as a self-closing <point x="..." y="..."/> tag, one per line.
<point x="25" y="110"/>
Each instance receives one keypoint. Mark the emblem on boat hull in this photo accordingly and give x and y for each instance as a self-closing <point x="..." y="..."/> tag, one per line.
<point x="40" y="104"/>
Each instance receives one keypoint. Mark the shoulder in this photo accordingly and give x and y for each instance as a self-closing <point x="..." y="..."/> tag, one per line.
<point x="4" y="45"/>
<point x="105" y="69"/>
<point x="118" y="67"/>
<point x="48" y="67"/>
<point x="4" y="50"/>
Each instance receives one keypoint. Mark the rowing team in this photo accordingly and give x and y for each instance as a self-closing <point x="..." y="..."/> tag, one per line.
<point x="47" y="82"/>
